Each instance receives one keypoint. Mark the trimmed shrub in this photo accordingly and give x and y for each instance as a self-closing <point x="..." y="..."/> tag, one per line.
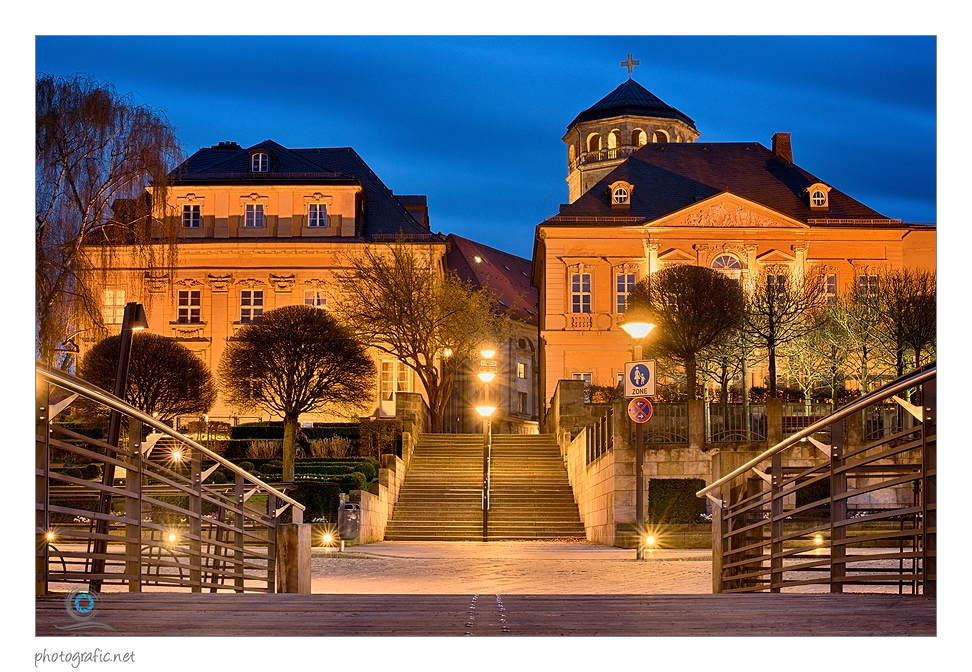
<point x="321" y="499"/>
<point x="673" y="500"/>
<point x="91" y="471"/>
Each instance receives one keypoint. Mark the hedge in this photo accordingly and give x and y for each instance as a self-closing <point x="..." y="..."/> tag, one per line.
<point x="673" y="500"/>
<point x="275" y="430"/>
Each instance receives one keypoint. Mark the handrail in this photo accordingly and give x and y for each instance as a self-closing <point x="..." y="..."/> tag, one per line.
<point x="903" y="383"/>
<point x="74" y="384"/>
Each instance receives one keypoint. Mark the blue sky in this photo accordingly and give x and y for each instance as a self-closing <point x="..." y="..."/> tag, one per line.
<point x="475" y="123"/>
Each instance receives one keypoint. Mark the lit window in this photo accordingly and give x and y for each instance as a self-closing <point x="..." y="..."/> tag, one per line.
<point x="190" y="216"/>
<point x="254" y="215"/>
<point x="394" y="378"/>
<point x="317" y="214"/>
<point x="315" y="298"/>
<point x="580" y="293"/>
<point x="521" y="370"/>
<point x="188" y="307"/>
<point x="522" y="402"/>
<point x="113" y="308"/>
<point x="260" y="163"/>
<point x="624" y="283"/>
<point x="251" y="306"/>
<point x="620" y="195"/>
<point x="775" y="285"/>
<point x="588" y="378"/>
<point x="818" y="198"/>
<point x="867" y="283"/>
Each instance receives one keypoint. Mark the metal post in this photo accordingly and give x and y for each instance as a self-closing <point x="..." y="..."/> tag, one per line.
<point x="42" y="464"/>
<point x="640" y="488"/>
<point x="487" y="450"/>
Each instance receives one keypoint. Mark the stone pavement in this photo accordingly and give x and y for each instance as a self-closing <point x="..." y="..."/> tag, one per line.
<point x="509" y="568"/>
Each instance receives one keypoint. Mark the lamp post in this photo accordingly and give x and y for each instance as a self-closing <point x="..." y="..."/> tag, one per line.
<point x="486" y="410"/>
<point x="637" y="326"/>
<point x="133" y="320"/>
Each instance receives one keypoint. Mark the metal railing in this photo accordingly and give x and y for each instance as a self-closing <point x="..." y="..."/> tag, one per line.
<point x="161" y="520"/>
<point x="735" y="422"/>
<point x="600" y="436"/>
<point x="668" y="424"/>
<point x="863" y="518"/>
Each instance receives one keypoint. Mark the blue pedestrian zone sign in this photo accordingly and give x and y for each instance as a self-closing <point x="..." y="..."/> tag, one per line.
<point x="639" y="379"/>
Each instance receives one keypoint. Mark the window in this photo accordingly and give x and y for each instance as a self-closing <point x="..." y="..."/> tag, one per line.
<point x="830" y="289"/>
<point x="624" y="283"/>
<point x="259" y="163"/>
<point x="317" y="214"/>
<point x="522" y="399"/>
<point x="586" y="377"/>
<point x="775" y="284"/>
<point x="620" y="195"/>
<point x="867" y="283"/>
<point x="818" y="198"/>
<point x="726" y="262"/>
<point x="188" y="308"/>
<point x="315" y="298"/>
<point x="113" y="306"/>
<point x="580" y="293"/>
<point x="254" y="215"/>
<point x="190" y="216"/>
<point x="251" y="306"/>
<point x="521" y="370"/>
<point x="394" y="378"/>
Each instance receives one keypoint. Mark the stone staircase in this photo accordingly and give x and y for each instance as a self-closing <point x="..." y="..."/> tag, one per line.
<point x="441" y="497"/>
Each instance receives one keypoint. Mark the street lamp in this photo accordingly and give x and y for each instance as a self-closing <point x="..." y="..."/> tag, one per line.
<point x="637" y="325"/>
<point x="486" y="410"/>
<point x="133" y="320"/>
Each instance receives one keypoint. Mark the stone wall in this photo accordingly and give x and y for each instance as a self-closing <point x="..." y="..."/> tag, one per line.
<point x="378" y="502"/>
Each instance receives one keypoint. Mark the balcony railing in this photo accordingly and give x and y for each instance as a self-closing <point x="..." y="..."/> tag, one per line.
<point x="174" y="514"/>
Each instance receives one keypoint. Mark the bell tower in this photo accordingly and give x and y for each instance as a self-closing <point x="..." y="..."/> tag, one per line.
<point x="603" y="135"/>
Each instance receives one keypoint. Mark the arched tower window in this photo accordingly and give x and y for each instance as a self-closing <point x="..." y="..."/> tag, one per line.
<point x="614" y="139"/>
<point x="659" y="136"/>
<point x="594" y="142"/>
<point x="639" y="138"/>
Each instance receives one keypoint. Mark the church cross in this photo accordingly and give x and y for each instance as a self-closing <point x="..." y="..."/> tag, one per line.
<point x="629" y="64"/>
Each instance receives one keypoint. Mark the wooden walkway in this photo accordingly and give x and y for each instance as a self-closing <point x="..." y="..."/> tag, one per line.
<point x="210" y="615"/>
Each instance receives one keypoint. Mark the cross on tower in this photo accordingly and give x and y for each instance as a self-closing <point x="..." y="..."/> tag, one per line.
<point x="629" y="64"/>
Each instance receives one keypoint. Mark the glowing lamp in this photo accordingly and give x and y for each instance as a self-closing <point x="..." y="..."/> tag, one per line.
<point x="487" y="353"/>
<point x="637" y="329"/>
<point x="485" y="411"/>
<point x="486" y="376"/>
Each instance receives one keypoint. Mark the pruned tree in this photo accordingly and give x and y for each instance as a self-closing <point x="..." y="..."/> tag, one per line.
<point x="96" y="154"/>
<point x="906" y="305"/>
<point x="856" y="319"/>
<point x="692" y="307"/>
<point x="399" y="299"/>
<point x="297" y="360"/>
<point x="782" y="304"/>
<point x="164" y="377"/>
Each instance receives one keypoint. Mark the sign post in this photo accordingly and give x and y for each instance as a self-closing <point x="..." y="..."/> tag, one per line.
<point x="639" y="382"/>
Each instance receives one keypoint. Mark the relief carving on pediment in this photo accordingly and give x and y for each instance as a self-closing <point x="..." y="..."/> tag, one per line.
<point x="727" y="215"/>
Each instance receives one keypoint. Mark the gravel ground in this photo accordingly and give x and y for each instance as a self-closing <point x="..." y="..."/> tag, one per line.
<point x="511" y="568"/>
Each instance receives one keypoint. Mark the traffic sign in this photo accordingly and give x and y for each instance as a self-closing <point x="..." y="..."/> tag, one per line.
<point x="639" y="409"/>
<point x="639" y="379"/>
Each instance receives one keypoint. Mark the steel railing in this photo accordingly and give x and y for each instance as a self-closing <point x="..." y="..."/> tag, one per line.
<point x="165" y="519"/>
<point x="863" y="517"/>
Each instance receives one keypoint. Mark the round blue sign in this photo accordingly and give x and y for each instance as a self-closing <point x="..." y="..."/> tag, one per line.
<point x="639" y="375"/>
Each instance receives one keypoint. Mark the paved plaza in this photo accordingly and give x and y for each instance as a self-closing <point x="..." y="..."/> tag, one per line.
<point x="508" y="568"/>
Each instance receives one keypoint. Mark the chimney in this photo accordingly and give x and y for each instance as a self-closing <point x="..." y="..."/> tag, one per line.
<point x="781" y="146"/>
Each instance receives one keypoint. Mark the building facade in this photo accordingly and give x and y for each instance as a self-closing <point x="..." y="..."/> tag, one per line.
<point x="665" y="199"/>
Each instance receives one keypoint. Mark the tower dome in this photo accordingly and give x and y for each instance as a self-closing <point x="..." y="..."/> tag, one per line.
<point x="606" y="133"/>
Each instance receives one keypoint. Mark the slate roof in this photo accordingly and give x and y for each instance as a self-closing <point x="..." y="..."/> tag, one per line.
<point x="631" y="98"/>
<point x="229" y="163"/>
<point x="668" y="177"/>
<point x="505" y="275"/>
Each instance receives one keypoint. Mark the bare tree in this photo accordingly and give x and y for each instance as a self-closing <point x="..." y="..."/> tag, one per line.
<point x="164" y="377"/>
<point x="855" y="319"/>
<point x="781" y="305"/>
<point x="692" y="308"/>
<point x="95" y="150"/>
<point x="398" y="298"/>
<point x="906" y="304"/>
<point x="297" y="360"/>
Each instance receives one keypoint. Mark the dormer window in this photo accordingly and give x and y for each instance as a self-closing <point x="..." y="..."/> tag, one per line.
<point x="621" y="194"/>
<point x="817" y="196"/>
<point x="259" y="162"/>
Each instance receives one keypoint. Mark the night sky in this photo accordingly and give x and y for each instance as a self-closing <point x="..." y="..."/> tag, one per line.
<point x="476" y="123"/>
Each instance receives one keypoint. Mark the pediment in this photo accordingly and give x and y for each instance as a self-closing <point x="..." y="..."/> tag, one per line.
<point x="676" y="256"/>
<point x="729" y="212"/>
<point x="775" y="256"/>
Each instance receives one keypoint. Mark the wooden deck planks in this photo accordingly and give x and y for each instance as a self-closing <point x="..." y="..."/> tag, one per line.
<point x="180" y="614"/>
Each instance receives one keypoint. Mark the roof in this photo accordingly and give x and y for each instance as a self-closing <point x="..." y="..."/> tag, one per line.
<point x="505" y="275"/>
<point x="631" y="98"/>
<point x="383" y="216"/>
<point x="668" y="177"/>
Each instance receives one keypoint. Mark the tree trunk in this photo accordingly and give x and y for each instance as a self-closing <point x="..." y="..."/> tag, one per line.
<point x="690" y="367"/>
<point x="772" y="370"/>
<point x="289" y="447"/>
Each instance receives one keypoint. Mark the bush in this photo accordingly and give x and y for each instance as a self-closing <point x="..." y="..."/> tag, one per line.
<point x="91" y="471"/>
<point x="673" y="500"/>
<point x="321" y="499"/>
<point x="331" y="446"/>
<point x="379" y="436"/>
<point x="247" y="466"/>
<point x="369" y="467"/>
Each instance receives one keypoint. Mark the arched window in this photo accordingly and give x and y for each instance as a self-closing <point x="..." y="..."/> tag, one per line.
<point x="259" y="162"/>
<point x="727" y="264"/>
<point x="639" y="138"/>
<point x="659" y="136"/>
<point x="594" y="143"/>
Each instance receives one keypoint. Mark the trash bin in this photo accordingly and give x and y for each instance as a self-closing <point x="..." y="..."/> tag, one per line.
<point x="349" y="522"/>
